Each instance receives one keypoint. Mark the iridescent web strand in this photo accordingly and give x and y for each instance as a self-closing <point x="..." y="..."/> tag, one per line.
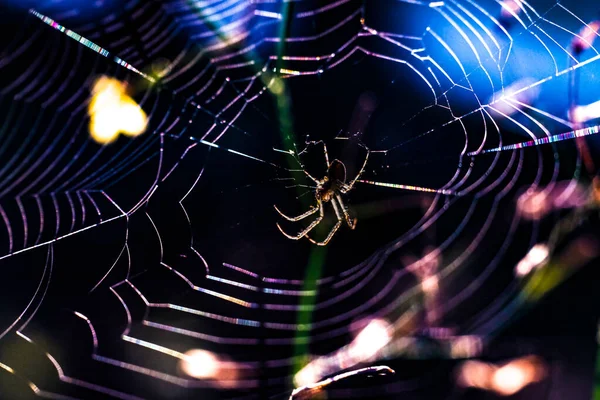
<point x="89" y="44"/>
<point x="550" y="139"/>
<point x="407" y="187"/>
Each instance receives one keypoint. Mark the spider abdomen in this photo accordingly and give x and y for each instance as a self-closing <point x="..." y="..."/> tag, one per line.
<point x="336" y="172"/>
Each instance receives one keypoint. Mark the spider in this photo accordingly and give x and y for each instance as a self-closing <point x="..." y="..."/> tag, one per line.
<point x="328" y="190"/>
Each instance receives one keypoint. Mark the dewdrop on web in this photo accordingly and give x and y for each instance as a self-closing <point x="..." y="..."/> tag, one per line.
<point x="112" y="112"/>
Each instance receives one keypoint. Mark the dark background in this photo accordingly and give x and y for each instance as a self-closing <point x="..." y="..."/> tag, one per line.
<point x="50" y="162"/>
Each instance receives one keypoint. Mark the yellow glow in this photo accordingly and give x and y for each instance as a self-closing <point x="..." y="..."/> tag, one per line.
<point x="112" y="112"/>
<point x="276" y="86"/>
<point x="161" y="67"/>
<point x="308" y="375"/>
<point x="7" y="368"/>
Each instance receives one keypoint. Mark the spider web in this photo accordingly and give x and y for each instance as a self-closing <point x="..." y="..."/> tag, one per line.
<point x="119" y="259"/>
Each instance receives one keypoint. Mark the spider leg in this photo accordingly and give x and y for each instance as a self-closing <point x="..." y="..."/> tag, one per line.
<point x="333" y="230"/>
<point x="308" y="228"/>
<point x="315" y="180"/>
<point x="349" y="187"/>
<point x="350" y="221"/>
<point x="324" y="150"/>
<point x="312" y="178"/>
<point x="299" y="217"/>
<point x="303" y="169"/>
<point x="326" y="155"/>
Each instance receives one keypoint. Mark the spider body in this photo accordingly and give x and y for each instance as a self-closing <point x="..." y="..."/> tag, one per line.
<point x="332" y="183"/>
<point x="328" y="190"/>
